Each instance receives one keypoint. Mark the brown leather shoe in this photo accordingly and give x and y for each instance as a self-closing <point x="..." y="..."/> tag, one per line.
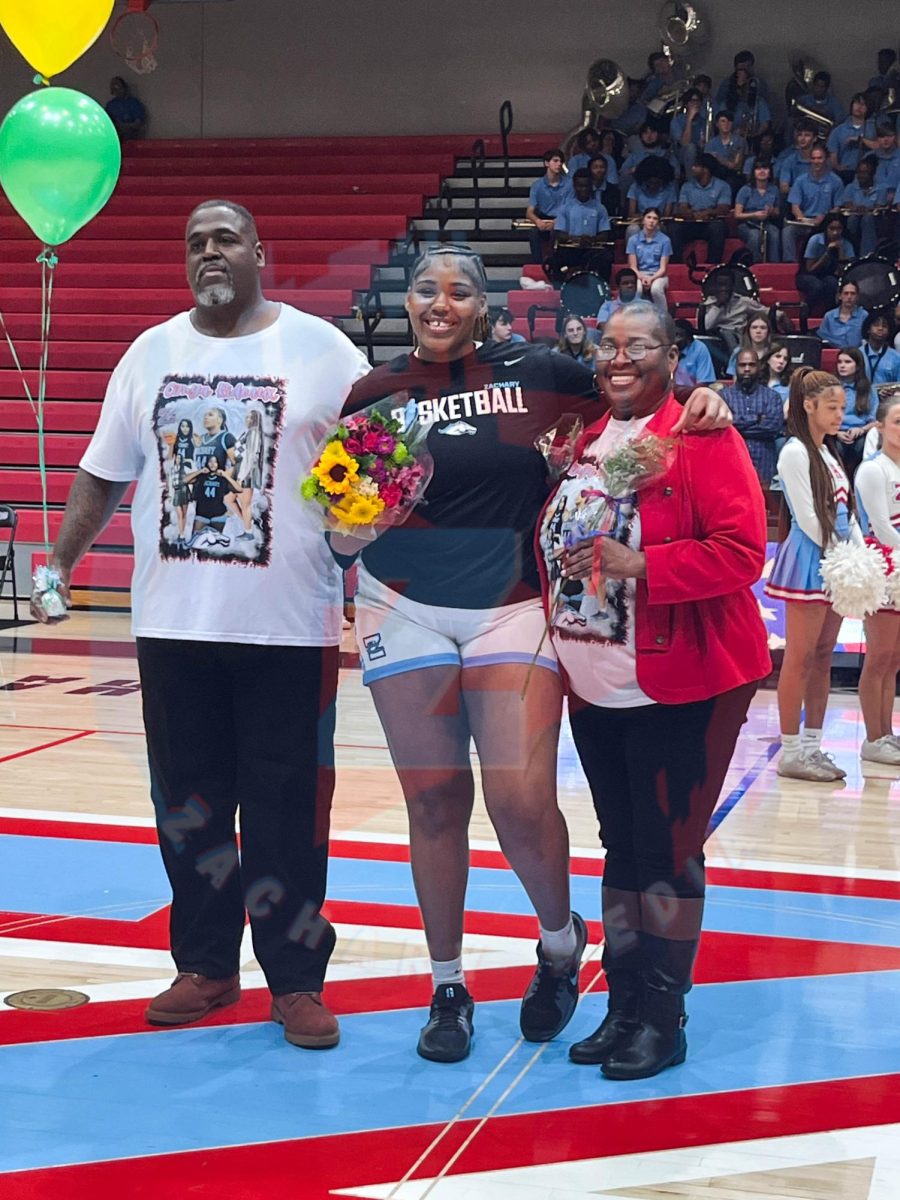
<point x="306" y="1020"/>
<point x="192" y="997"/>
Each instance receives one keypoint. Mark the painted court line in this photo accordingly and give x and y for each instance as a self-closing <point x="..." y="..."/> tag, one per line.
<point x="83" y="733"/>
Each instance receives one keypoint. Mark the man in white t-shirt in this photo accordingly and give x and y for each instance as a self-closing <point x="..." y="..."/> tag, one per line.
<point x="236" y="607"/>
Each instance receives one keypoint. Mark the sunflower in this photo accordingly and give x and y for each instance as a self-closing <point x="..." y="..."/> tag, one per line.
<point x="335" y="470"/>
<point x="354" y="509"/>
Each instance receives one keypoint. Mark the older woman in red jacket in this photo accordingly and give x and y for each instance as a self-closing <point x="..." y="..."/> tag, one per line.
<point x="662" y="646"/>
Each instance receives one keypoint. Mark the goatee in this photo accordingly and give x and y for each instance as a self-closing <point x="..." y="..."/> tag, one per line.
<point x="218" y="293"/>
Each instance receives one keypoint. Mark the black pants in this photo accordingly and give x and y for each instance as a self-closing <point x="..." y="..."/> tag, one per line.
<point x="655" y="774"/>
<point x="712" y="232"/>
<point x="233" y="725"/>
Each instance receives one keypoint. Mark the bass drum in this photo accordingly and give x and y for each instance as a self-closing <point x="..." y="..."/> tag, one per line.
<point x="745" y="282"/>
<point x="583" y="293"/>
<point x="878" y="281"/>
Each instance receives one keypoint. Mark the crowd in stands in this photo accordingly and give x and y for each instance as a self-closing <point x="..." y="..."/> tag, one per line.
<point x="819" y="191"/>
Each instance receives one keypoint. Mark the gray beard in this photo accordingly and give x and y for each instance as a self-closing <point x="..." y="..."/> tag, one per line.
<point x="218" y="293"/>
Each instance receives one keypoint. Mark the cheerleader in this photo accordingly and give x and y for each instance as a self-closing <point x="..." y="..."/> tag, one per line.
<point x="818" y="498"/>
<point x="878" y="493"/>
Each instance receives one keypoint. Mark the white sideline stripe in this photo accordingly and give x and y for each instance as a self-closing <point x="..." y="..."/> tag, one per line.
<point x="399" y="839"/>
<point x="75" y="818"/>
<point x="384" y="968"/>
<point x="602" y="1178"/>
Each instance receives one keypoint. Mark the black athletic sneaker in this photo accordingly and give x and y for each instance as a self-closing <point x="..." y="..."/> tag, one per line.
<point x="448" y="1035"/>
<point x="551" y="997"/>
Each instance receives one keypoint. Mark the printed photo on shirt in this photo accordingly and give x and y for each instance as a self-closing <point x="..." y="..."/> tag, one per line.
<point x="582" y="614"/>
<point x="218" y="446"/>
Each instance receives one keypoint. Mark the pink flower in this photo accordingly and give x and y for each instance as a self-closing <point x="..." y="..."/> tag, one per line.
<point x="386" y="445"/>
<point x="391" y="494"/>
<point x="370" y="442"/>
<point x="354" y="446"/>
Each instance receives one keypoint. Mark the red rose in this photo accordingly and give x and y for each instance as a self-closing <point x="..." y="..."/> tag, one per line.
<point x="354" y="446"/>
<point x="370" y="442"/>
<point x="391" y="494"/>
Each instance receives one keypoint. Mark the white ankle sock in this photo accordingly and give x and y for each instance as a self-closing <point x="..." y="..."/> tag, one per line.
<point x="558" y="945"/>
<point x="812" y="739"/>
<point x="447" y="972"/>
<point x="790" y="743"/>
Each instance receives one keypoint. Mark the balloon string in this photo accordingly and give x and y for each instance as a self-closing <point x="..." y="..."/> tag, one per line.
<point x="48" y="261"/>
<point x="15" y="358"/>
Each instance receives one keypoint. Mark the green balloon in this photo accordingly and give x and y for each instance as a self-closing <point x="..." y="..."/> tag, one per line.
<point x="59" y="161"/>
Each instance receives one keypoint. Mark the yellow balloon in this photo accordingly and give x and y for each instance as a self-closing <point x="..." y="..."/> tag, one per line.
<point x="52" y="34"/>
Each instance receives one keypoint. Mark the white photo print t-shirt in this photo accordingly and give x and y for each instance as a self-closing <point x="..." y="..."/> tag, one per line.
<point x="219" y="433"/>
<point x="593" y="634"/>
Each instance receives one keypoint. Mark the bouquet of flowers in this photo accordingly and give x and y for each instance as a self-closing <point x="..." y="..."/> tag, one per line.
<point x="623" y="472"/>
<point x="558" y="444"/>
<point x="372" y="470"/>
<point x="599" y="509"/>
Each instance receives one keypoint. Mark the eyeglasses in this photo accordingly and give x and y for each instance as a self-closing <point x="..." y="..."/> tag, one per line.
<point x="634" y="350"/>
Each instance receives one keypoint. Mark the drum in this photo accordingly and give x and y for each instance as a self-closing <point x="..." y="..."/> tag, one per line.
<point x="745" y="282"/>
<point x="583" y="293"/>
<point x="878" y="281"/>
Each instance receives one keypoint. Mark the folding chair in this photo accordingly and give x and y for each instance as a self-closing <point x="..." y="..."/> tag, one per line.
<point x="9" y="518"/>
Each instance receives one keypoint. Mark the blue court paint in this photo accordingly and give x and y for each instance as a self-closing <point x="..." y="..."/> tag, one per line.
<point x="67" y="877"/>
<point x="126" y="882"/>
<point x="118" y="1097"/>
<point x="742" y="787"/>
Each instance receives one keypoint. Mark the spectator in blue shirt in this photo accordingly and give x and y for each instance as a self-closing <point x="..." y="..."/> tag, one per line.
<point x="811" y="198"/>
<point x="502" y="326"/>
<point x="886" y="76"/>
<point x="775" y="370"/>
<point x="627" y="287"/>
<point x="694" y="358"/>
<point x="727" y="148"/>
<point x="652" y="188"/>
<point x="583" y="219"/>
<point x="687" y="131"/>
<point x="842" y="326"/>
<point x="881" y="359"/>
<point x="825" y="256"/>
<point x="821" y="100"/>
<point x="763" y="150"/>
<point x="849" y="141"/>
<point x="793" y="163"/>
<point x="635" y="114"/>
<point x="648" y="253"/>
<point x="588" y="146"/>
<point x="860" y="410"/>
<point x="758" y="414"/>
<point x="660" y="76"/>
<point x="574" y="340"/>
<point x="757" y="209"/>
<point x="744" y="71"/>
<point x="125" y="111"/>
<point x="649" y="144"/>
<point x="544" y="201"/>
<point x="887" y="173"/>
<point x="863" y="197"/>
<point x="756" y="335"/>
<point x="703" y="203"/>
<point x="601" y="187"/>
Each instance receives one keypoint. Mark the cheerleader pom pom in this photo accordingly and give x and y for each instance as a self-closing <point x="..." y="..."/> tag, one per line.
<point x="854" y="578"/>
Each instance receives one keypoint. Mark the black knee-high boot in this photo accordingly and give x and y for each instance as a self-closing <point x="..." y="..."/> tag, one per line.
<point x="622" y="960"/>
<point x="659" y="1040"/>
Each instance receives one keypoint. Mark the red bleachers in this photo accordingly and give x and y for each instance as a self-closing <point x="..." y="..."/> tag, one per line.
<point x="327" y="209"/>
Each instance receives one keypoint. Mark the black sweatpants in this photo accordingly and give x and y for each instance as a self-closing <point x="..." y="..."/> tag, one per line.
<point x="233" y="725"/>
<point x="655" y="774"/>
